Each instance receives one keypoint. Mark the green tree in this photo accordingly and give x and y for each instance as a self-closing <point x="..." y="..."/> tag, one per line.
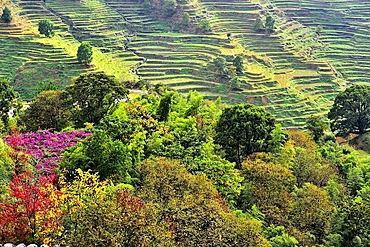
<point x="164" y="107"/>
<point x="8" y="100"/>
<point x="85" y="53"/>
<point x="235" y="82"/>
<point x="169" y="7"/>
<point x="279" y="238"/>
<point x="258" y="25"/>
<point x="243" y="130"/>
<point x="147" y="5"/>
<point x="46" y="27"/>
<point x="350" y="112"/>
<point x="311" y="213"/>
<point x="185" y="19"/>
<point x="99" y="153"/>
<point x="269" y="187"/>
<point x="191" y="204"/>
<point x="316" y="126"/>
<point x="352" y="222"/>
<point x="97" y="214"/>
<point x="270" y="23"/>
<point x="46" y="112"/>
<point x="91" y="95"/>
<point x="220" y="64"/>
<point x="7" y="15"/>
<point x="204" y="25"/>
<point x="238" y="63"/>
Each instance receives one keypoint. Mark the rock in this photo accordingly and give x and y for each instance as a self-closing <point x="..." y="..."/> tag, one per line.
<point x="9" y="245"/>
<point x="21" y="245"/>
<point x="32" y="245"/>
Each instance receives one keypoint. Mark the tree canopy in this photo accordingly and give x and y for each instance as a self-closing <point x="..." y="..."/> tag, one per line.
<point x="46" y="27"/>
<point x="243" y="130"/>
<point x="91" y="95"/>
<point x="7" y="15"/>
<point x="84" y="53"/>
<point x="350" y="112"/>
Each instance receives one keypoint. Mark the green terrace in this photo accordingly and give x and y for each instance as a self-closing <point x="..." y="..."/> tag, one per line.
<point x="345" y="31"/>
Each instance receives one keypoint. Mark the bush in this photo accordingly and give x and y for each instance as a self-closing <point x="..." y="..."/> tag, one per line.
<point x="46" y="27"/>
<point x="204" y="26"/>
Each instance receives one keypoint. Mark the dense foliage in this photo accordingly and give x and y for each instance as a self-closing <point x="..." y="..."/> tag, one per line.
<point x="179" y="170"/>
<point x="351" y="111"/>
<point x="90" y="97"/>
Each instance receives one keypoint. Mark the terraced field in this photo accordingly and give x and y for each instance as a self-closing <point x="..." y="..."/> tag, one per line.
<point x="27" y="62"/>
<point x="345" y="32"/>
<point x="292" y="72"/>
<point x="293" y="87"/>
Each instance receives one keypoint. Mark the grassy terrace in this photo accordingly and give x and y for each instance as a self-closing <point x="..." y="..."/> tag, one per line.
<point x="345" y="31"/>
<point x="127" y="38"/>
<point x="29" y="59"/>
<point x="291" y="86"/>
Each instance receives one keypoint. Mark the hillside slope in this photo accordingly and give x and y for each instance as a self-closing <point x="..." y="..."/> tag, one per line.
<point x="293" y="72"/>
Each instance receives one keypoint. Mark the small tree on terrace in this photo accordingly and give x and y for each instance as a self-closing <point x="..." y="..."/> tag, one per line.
<point x="204" y="25"/>
<point x="84" y="53"/>
<point x="46" y="27"/>
<point x="186" y="19"/>
<point x="258" y="25"/>
<point x="238" y="63"/>
<point x="350" y="112"/>
<point x="220" y="64"/>
<point x="270" y="22"/>
<point x="7" y="15"/>
<point x="169" y="7"/>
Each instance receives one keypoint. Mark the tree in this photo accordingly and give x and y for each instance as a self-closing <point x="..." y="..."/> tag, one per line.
<point x="199" y="217"/>
<point x="147" y="6"/>
<point x="186" y="19"/>
<point x="91" y="95"/>
<point x="46" y="112"/>
<point x="164" y="107"/>
<point x="242" y="130"/>
<point x="46" y="27"/>
<point x="7" y="15"/>
<point x="270" y="22"/>
<point x="350" y="112"/>
<point x="311" y="213"/>
<point x="204" y="25"/>
<point x="269" y="187"/>
<point x="220" y="64"/>
<point x="8" y="100"/>
<point x="97" y="214"/>
<point x="99" y="153"/>
<point x="316" y="126"/>
<point x="235" y="82"/>
<point x="238" y="63"/>
<point x="169" y="7"/>
<point x="258" y="25"/>
<point x="84" y="53"/>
